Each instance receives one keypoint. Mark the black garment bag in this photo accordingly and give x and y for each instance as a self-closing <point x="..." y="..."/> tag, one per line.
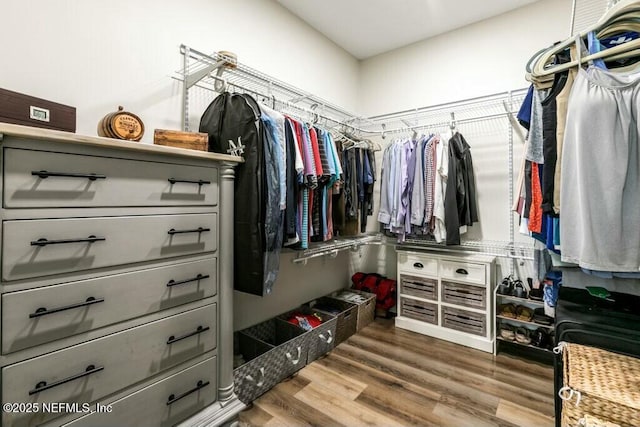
<point x="234" y="120"/>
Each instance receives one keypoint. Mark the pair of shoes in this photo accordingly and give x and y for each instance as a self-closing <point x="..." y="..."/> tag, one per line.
<point x="507" y="310"/>
<point x="540" y="338"/>
<point x="523" y="336"/>
<point x="506" y="286"/>
<point x="507" y="332"/>
<point x="512" y="287"/>
<point x="518" y="289"/>
<point x="541" y="318"/>
<point x="524" y="313"/>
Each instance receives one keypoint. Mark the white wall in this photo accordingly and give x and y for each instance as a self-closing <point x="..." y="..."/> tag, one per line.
<point x="96" y="55"/>
<point x="480" y="59"/>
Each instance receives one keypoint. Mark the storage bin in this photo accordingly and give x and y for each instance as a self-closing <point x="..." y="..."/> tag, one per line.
<point x="366" y="305"/>
<point x="321" y="339"/>
<point x="345" y="312"/>
<point x="600" y="384"/>
<point x="265" y="354"/>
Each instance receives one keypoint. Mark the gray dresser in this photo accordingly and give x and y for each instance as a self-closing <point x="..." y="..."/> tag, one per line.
<point x="116" y="282"/>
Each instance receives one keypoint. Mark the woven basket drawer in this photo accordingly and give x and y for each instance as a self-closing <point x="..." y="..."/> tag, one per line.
<point x="464" y="321"/>
<point x="419" y="287"/>
<point x="419" y="310"/>
<point x="464" y="295"/>
<point x="608" y="383"/>
<point x="272" y="351"/>
<point x="256" y="372"/>
<point x="366" y="305"/>
<point x="346" y="315"/>
<point x="321" y="339"/>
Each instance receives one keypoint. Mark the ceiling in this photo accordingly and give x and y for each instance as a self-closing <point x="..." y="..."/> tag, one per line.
<point x="366" y="28"/>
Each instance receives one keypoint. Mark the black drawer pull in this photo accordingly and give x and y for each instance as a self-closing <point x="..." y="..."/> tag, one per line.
<point x="418" y="265"/>
<point x="173" y="398"/>
<point x="42" y="385"/>
<point x="196" y="230"/>
<point x="89" y="176"/>
<point x="199" y="330"/>
<point x="42" y="311"/>
<point x="189" y="181"/>
<point x="182" y="282"/>
<point x="45" y="242"/>
<point x="462" y="271"/>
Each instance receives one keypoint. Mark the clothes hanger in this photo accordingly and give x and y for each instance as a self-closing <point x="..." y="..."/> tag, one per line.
<point x="628" y="10"/>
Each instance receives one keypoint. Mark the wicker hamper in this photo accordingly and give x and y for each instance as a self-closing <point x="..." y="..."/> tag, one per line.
<point x="366" y="304"/>
<point x="599" y="385"/>
<point x="345" y="312"/>
<point x="268" y="353"/>
<point x="321" y="339"/>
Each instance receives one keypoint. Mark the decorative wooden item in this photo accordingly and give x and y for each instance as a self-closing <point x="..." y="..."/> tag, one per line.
<point x="21" y="109"/>
<point x="121" y="125"/>
<point x="175" y="138"/>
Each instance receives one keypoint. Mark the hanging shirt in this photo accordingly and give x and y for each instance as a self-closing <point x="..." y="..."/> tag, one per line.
<point x="442" y="162"/>
<point x="384" y="214"/>
<point x="281" y="150"/>
<point x="418" y="192"/>
<point x="600" y="195"/>
<point x="430" y="178"/>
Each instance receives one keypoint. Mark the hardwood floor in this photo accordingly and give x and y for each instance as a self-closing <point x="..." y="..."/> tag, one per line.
<point x="385" y="376"/>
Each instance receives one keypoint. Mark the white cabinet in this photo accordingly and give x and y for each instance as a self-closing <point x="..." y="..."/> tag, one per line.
<point x="447" y="297"/>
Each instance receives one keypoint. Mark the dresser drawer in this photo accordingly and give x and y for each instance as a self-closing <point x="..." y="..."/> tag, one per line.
<point x="464" y="321"/>
<point x="417" y="264"/>
<point x="464" y="295"/>
<point x="462" y="271"/>
<point x="419" y="310"/>
<point x="120" y="183"/>
<point x="87" y="372"/>
<point x="40" y="315"/>
<point x="33" y="248"/>
<point x="421" y="287"/>
<point x="161" y="404"/>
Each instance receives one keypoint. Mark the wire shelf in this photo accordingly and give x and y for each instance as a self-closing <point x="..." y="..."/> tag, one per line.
<point x="502" y="249"/>
<point x="471" y="110"/>
<point x="267" y="89"/>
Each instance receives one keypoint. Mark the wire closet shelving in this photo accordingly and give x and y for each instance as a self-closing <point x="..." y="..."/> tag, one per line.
<point x="217" y="72"/>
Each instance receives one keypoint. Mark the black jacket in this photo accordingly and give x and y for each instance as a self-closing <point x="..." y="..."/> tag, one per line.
<point x="460" y="203"/>
<point x="236" y="117"/>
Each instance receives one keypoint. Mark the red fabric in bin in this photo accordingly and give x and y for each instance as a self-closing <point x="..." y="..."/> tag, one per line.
<point x="313" y="320"/>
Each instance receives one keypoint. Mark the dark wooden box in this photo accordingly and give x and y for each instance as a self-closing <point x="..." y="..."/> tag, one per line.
<point x="21" y="109"/>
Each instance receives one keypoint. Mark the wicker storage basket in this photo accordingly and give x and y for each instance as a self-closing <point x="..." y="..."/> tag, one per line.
<point x="345" y="312"/>
<point x="607" y="384"/>
<point x="321" y="339"/>
<point x="366" y="305"/>
<point x="272" y="351"/>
